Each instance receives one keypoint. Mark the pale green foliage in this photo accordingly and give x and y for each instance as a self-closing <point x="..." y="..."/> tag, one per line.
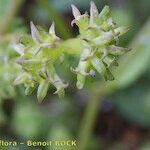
<point x="8" y="10"/>
<point x="96" y="46"/>
<point x="8" y="70"/>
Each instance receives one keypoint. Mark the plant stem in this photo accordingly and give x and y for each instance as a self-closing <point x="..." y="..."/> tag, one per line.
<point x="89" y="118"/>
<point x="71" y="46"/>
<point x="60" y="23"/>
<point x="11" y="12"/>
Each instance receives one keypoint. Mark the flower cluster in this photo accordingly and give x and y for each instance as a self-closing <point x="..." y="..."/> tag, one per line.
<point x="39" y="54"/>
<point x="97" y="49"/>
<point x="99" y="37"/>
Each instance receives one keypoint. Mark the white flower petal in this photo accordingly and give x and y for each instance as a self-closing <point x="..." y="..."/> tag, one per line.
<point x="75" y="11"/>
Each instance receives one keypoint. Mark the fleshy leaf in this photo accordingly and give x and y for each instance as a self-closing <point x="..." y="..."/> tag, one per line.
<point x="42" y="90"/>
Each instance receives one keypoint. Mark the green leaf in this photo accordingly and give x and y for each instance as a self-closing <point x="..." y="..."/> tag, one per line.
<point x="30" y="118"/>
<point x="8" y="10"/>
<point x="134" y="103"/>
<point x="60" y="23"/>
<point x="57" y="133"/>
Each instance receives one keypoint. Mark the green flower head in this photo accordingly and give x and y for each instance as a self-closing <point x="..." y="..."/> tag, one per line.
<point x="99" y="36"/>
<point x="38" y="56"/>
<point x="96" y="45"/>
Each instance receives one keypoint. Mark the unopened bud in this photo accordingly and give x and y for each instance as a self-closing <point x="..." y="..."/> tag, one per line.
<point x="42" y="90"/>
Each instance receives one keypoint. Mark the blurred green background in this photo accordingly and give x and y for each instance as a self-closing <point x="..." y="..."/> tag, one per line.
<point x="104" y="115"/>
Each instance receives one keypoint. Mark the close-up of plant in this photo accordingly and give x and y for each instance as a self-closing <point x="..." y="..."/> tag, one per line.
<point x="96" y="45"/>
<point x="74" y="75"/>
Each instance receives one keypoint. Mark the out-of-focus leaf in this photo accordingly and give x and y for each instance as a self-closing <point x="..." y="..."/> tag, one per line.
<point x="27" y="120"/>
<point x="95" y="143"/>
<point x="124" y="17"/>
<point x="3" y="8"/>
<point x="8" y="10"/>
<point x="60" y="23"/>
<point x="145" y="146"/>
<point x="59" y="133"/>
<point x="134" y="103"/>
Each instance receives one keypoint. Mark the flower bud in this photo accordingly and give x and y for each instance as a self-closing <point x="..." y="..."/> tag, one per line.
<point x="42" y="90"/>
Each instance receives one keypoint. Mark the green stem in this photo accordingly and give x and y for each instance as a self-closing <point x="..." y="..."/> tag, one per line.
<point x="89" y="118"/>
<point x="60" y="23"/>
<point x="11" y="13"/>
<point x="71" y="46"/>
